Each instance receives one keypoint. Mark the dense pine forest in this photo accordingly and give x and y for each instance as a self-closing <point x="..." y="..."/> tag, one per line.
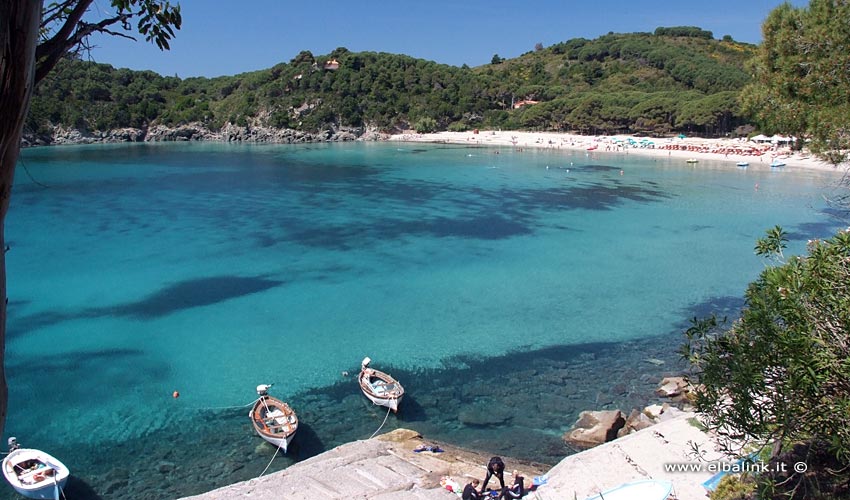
<point x="673" y="80"/>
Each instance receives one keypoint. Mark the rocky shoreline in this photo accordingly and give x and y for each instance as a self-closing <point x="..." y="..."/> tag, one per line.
<point x="198" y="132"/>
<point x="596" y="427"/>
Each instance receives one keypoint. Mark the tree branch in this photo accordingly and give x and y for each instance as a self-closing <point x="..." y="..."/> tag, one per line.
<point x="58" y="42"/>
<point x="54" y="13"/>
<point x="117" y="33"/>
<point x="50" y="59"/>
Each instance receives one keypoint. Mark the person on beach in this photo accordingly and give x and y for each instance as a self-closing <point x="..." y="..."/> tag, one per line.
<point x="470" y="491"/>
<point x="516" y="490"/>
<point x="496" y="467"/>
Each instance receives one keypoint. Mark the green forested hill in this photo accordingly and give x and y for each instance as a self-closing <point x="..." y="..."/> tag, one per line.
<point x="676" y="79"/>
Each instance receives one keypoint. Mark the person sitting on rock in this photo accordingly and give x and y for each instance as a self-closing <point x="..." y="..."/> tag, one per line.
<point x="496" y="467"/>
<point x="517" y="490"/>
<point x="470" y="491"/>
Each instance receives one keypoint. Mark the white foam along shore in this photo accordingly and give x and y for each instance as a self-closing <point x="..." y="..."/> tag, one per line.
<point x="730" y="151"/>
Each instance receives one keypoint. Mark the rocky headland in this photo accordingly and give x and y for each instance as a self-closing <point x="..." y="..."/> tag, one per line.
<point x="60" y="135"/>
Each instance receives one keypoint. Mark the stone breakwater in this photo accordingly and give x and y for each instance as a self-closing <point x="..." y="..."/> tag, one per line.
<point x="387" y="468"/>
<point x="198" y="132"/>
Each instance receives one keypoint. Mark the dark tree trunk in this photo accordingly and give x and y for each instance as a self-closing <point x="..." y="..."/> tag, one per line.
<point x="19" y="25"/>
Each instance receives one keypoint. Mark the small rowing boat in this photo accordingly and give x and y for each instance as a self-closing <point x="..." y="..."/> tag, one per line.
<point x="273" y="419"/>
<point x="691" y="160"/>
<point x="379" y="387"/>
<point x="777" y="163"/>
<point x="34" y="473"/>
<point x="637" y="490"/>
<point x="742" y="163"/>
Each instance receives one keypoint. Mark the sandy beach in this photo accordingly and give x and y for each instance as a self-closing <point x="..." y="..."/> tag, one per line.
<point x="688" y="148"/>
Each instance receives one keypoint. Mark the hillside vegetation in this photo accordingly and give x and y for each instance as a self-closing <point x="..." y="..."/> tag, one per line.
<point x="673" y="80"/>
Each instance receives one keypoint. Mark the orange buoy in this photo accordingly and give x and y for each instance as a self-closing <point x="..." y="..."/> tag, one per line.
<point x="176" y="394"/>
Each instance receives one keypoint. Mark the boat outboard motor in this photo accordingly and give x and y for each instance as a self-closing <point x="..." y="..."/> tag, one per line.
<point x="365" y="362"/>
<point x="263" y="389"/>
<point x="13" y="444"/>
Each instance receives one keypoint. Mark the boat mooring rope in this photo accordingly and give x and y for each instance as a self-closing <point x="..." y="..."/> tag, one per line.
<point x="382" y="423"/>
<point x="56" y="489"/>
<point x="270" y="461"/>
<point x="225" y="407"/>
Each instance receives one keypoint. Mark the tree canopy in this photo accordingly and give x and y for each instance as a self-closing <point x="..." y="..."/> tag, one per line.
<point x="802" y="83"/>
<point x="638" y="83"/>
<point x="781" y="374"/>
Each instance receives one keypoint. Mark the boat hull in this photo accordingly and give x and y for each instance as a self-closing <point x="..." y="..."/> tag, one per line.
<point x="391" y="403"/>
<point x="381" y="388"/>
<point x="274" y="421"/>
<point x="35" y="481"/>
<point x="282" y="443"/>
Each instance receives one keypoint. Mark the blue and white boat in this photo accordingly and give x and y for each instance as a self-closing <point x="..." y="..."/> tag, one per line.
<point x="637" y="490"/>
<point x="777" y="163"/>
<point x="34" y="473"/>
<point x="742" y="163"/>
<point x="380" y="387"/>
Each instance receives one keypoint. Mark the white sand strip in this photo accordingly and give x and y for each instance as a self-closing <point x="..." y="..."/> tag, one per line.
<point x="723" y="150"/>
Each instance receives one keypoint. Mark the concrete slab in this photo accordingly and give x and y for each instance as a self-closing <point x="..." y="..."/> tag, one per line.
<point x="638" y="456"/>
<point x="386" y="468"/>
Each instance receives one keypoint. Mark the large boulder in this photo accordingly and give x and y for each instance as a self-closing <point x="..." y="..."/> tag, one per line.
<point x="636" y="421"/>
<point x="594" y="428"/>
<point x="672" y="387"/>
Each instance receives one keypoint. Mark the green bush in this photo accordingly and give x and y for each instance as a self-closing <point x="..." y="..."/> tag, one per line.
<point x="425" y="125"/>
<point x="734" y="487"/>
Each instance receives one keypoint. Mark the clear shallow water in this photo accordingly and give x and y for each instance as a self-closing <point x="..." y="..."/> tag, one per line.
<point x="506" y="295"/>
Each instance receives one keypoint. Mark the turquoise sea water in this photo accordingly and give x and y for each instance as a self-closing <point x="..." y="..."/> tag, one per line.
<point x="507" y="291"/>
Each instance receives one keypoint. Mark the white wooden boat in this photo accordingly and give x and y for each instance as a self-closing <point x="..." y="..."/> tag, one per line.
<point x="637" y="490"/>
<point x="379" y="387"/>
<point x="742" y="163"/>
<point x="34" y="473"/>
<point x="273" y="419"/>
<point x="691" y="160"/>
<point x="777" y="163"/>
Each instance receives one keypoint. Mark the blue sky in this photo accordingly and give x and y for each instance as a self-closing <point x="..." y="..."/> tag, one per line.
<point x="226" y="37"/>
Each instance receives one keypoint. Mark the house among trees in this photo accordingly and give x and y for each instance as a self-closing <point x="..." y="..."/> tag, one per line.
<point x="520" y="104"/>
<point x="332" y="65"/>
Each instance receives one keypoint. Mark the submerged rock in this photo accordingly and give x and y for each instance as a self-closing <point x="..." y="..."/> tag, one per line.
<point x="479" y="416"/>
<point x="165" y="467"/>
